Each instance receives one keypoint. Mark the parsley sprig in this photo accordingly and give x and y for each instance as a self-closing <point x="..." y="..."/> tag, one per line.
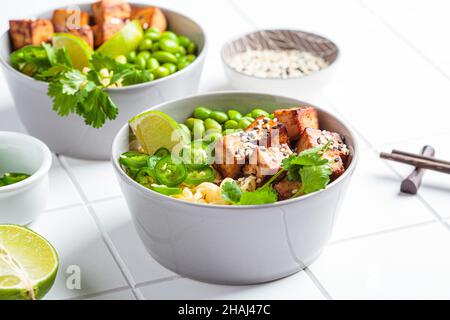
<point x="74" y="91"/>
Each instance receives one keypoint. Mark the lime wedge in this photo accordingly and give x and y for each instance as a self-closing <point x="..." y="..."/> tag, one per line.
<point x="79" y="51"/>
<point x="155" y="129"/>
<point x="124" y="41"/>
<point x="28" y="264"/>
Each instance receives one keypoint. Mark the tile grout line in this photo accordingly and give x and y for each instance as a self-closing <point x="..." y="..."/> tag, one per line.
<point x="243" y="14"/>
<point x="99" y="293"/>
<point x="81" y="204"/>
<point x="106" y="239"/>
<point x="160" y="280"/>
<point x="404" y="39"/>
<point x="318" y="284"/>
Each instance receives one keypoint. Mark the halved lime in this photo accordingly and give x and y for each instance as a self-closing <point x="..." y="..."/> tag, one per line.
<point x="124" y="41"/>
<point x="155" y="129"/>
<point x="79" y="51"/>
<point x="28" y="264"/>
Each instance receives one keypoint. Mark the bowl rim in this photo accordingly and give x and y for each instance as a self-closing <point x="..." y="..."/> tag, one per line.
<point x="197" y="61"/>
<point x="43" y="168"/>
<point x="150" y="193"/>
<point x="228" y="43"/>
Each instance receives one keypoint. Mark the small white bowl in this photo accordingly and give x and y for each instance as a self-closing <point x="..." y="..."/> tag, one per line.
<point x="235" y="244"/>
<point x="281" y="39"/>
<point x="22" y="202"/>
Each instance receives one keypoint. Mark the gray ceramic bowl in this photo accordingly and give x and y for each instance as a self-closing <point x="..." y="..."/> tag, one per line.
<point x="281" y="39"/>
<point x="235" y="244"/>
<point x="69" y="135"/>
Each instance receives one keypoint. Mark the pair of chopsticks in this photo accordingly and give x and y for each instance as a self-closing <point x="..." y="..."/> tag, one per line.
<point x="421" y="162"/>
<point x="418" y="161"/>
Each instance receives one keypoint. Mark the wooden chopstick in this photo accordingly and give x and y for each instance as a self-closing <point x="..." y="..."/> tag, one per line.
<point x="418" y="161"/>
<point x="412" y="182"/>
<point x="420" y="156"/>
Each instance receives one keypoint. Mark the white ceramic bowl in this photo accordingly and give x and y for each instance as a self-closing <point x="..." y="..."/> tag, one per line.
<point x="69" y="135"/>
<point x="234" y="244"/>
<point x="281" y="39"/>
<point x="22" y="202"/>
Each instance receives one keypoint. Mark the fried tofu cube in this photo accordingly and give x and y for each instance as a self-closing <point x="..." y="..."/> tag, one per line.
<point x="105" y="31"/>
<point x="64" y="20"/>
<point x="150" y="17"/>
<point x="269" y="132"/>
<point x="226" y="158"/>
<point x="297" y="120"/>
<point x="337" y="153"/>
<point x="84" y="33"/>
<point x="30" y="32"/>
<point x="286" y="189"/>
<point x="265" y="162"/>
<point x="106" y="10"/>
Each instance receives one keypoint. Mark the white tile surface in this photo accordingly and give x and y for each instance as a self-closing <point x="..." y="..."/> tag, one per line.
<point x="391" y="84"/>
<point x="435" y="189"/>
<point x="77" y="240"/>
<point x="409" y="264"/>
<point x="116" y="220"/>
<point x="61" y="196"/>
<point x="126" y="294"/>
<point x="297" y="286"/>
<point x="96" y="178"/>
<point x="373" y="201"/>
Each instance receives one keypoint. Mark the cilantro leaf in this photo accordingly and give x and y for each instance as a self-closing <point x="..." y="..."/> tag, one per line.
<point x="96" y="107"/>
<point x="259" y="196"/>
<point x="231" y="192"/>
<point x="314" y="178"/>
<point x="100" y="61"/>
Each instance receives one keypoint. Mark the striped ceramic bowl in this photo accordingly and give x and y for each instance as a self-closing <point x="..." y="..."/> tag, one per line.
<point x="281" y="40"/>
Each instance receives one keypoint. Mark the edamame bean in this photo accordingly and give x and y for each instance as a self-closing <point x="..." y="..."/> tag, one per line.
<point x="212" y="136"/>
<point x="190" y="123"/>
<point x="155" y="47"/>
<point x="182" y="65"/>
<point x="198" y="130"/>
<point x="131" y="57"/>
<point x="121" y="59"/>
<point x="168" y="45"/>
<point x="145" y="44"/>
<point x="244" y="123"/>
<point x="234" y="115"/>
<point x="152" y="64"/>
<point x="181" y="50"/>
<point x="161" y="72"/>
<point x="191" y="48"/>
<point x="231" y="124"/>
<point x="141" y="62"/>
<point x="153" y="29"/>
<point x="219" y="116"/>
<point x="152" y="35"/>
<point x="212" y="124"/>
<point x="170" y="66"/>
<point x="164" y="57"/>
<point x="230" y="131"/>
<point x="144" y="54"/>
<point x="202" y="113"/>
<point x="259" y="112"/>
<point x="248" y="115"/>
<point x="190" y="58"/>
<point x="170" y="35"/>
<point x="184" y="41"/>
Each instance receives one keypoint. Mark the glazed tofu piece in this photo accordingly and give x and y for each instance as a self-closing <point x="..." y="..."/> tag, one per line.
<point x="150" y="17"/>
<point x="269" y="132"/>
<point x="84" y="33"/>
<point x="297" y="120"/>
<point x="286" y="189"/>
<point x="337" y="154"/>
<point x="64" y="20"/>
<point x="103" y="32"/>
<point x="227" y="160"/>
<point x="312" y="138"/>
<point x="30" y="32"/>
<point x="106" y="10"/>
<point x="265" y="162"/>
